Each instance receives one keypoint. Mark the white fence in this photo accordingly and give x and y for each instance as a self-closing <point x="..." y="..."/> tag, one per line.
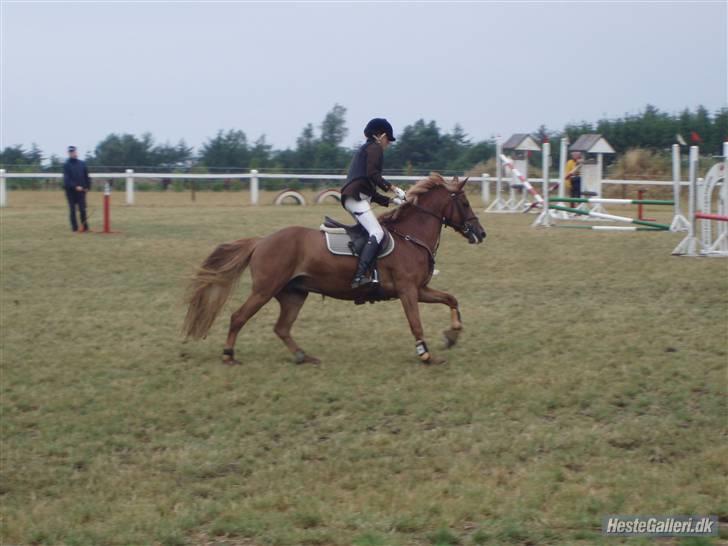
<point x="255" y="177"/>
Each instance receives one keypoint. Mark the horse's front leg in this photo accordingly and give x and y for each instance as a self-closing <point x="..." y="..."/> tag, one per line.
<point x="409" y="298"/>
<point x="430" y="295"/>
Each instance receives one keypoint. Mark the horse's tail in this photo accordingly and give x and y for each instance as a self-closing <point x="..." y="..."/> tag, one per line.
<point x="213" y="283"/>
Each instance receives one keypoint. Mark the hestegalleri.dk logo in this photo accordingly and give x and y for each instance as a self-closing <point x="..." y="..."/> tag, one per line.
<point x="660" y="526"/>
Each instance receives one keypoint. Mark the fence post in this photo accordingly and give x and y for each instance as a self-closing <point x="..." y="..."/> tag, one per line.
<point x="253" y="187"/>
<point x="3" y="190"/>
<point x="130" y="186"/>
<point x="485" y="189"/>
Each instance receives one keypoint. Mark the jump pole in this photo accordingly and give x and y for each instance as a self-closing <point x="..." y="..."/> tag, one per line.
<point x="607" y="201"/>
<point x="107" y="211"/>
<point x="107" y="207"/>
<point x="508" y="162"/>
<point x="611" y="228"/>
<point x="605" y="216"/>
<point x="679" y="222"/>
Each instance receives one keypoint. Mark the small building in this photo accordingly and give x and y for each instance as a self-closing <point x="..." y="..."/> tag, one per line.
<point x="592" y="147"/>
<point x="520" y="145"/>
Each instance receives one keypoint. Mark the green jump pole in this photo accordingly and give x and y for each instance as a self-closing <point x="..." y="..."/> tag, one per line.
<point x="611" y="217"/>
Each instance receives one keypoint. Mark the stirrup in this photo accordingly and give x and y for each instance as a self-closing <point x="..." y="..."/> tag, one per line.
<point x="362" y="281"/>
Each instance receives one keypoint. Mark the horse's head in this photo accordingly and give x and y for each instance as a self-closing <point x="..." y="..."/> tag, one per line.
<point x="444" y="200"/>
<point x="458" y="214"/>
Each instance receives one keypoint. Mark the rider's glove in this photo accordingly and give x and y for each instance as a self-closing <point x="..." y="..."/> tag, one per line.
<point x="399" y="192"/>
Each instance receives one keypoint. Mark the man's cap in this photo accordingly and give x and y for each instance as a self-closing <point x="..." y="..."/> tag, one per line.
<point x="377" y="126"/>
<point x="71" y="148"/>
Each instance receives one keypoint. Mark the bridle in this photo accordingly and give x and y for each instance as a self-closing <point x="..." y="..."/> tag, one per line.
<point x="465" y="227"/>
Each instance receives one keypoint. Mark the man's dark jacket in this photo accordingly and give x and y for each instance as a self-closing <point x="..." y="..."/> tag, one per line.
<point x="75" y="173"/>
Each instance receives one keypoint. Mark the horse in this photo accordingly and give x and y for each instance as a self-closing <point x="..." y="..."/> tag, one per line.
<point x="291" y="263"/>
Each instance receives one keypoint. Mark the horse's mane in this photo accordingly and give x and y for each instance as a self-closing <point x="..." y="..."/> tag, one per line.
<point x="433" y="181"/>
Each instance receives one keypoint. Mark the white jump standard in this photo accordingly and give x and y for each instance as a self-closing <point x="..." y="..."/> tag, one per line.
<point x="701" y="210"/>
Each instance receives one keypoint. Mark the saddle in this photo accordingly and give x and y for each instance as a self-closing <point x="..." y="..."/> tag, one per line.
<point x="345" y="240"/>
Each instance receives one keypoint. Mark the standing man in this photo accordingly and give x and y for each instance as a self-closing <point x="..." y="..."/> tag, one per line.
<point x="76" y="182"/>
<point x="573" y="175"/>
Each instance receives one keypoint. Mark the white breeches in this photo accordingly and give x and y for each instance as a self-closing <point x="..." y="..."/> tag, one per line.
<point x="362" y="213"/>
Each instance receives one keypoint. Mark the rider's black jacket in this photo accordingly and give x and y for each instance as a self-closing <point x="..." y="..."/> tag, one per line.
<point x="365" y="174"/>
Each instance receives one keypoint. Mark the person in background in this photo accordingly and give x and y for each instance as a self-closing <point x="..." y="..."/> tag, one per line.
<point x="573" y="175"/>
<point x="76" y="182"/>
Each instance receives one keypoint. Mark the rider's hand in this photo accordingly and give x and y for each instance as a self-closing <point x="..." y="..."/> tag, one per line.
<point x="79" y="188"/>
<point x="397" y="201"/>
<point x="399" y="192"/>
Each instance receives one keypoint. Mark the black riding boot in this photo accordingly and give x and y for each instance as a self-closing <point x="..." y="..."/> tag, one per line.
<point x="366" y="258"/>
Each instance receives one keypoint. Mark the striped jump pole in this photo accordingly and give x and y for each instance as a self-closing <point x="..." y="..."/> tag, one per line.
<point x="605" y="216"/>
<point x="710" y="216"/>
<point x="606" y="200"/>
<point x="508" y="162"/>
<point x="107" y="207"/>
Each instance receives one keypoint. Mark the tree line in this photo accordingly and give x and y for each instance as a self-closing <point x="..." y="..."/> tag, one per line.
<point x="420" y="147"/>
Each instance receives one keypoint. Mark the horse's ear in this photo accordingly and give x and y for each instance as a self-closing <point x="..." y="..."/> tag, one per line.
<point x="459" y="184"/>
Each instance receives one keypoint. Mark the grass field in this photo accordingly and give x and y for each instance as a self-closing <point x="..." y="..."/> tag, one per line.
<point x="590" y="380"/>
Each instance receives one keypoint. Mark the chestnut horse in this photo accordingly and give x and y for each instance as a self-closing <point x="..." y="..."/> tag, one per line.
<point x="294" y="261"/>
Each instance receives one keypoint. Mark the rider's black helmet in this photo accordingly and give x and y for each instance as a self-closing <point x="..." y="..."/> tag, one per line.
<point x="378" y="126"/>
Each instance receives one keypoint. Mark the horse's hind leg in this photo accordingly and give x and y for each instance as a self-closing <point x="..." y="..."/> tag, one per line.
<point x="238" y="319"/>
<point x="430" y="295"/>
<point x="291" y="302"/>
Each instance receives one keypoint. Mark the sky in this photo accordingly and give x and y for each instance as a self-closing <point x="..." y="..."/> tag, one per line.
<point x="73" y="72"/>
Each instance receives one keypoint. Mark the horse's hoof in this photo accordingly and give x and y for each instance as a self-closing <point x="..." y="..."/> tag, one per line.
<point x="451" y="337"/>
<point x="302" y="358"/>
<point x="431" y="360"/>
<point x="229" y="361"/>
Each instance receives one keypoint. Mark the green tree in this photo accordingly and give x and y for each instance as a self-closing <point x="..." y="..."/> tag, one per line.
<point x="306" y="144"/>
<point x="260" y="153"/>
<point x="121" y="151"/>
<point x="226" y="149"/>
<point x="21" y="159"/>
<point x="333" y="128"/>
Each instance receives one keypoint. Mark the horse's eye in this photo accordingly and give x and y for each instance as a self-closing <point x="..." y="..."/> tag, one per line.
<point x="467" y="204"/>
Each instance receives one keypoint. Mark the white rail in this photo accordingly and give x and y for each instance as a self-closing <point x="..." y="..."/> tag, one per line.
<point x="254" y="176"/>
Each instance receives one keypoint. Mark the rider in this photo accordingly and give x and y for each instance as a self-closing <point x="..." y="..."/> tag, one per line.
<point x="365" y="175"/>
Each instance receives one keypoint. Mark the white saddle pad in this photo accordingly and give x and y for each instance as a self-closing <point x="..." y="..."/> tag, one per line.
<point x="337" y="241"/>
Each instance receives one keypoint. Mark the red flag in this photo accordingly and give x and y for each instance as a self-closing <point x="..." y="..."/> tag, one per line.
<point x="695" y="137"/>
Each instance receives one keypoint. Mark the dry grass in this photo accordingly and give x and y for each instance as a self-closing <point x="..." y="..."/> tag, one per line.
<point x="591" y="379"/>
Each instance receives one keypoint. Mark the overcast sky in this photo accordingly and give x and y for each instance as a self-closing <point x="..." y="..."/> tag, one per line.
<point x="75" y="72"/>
